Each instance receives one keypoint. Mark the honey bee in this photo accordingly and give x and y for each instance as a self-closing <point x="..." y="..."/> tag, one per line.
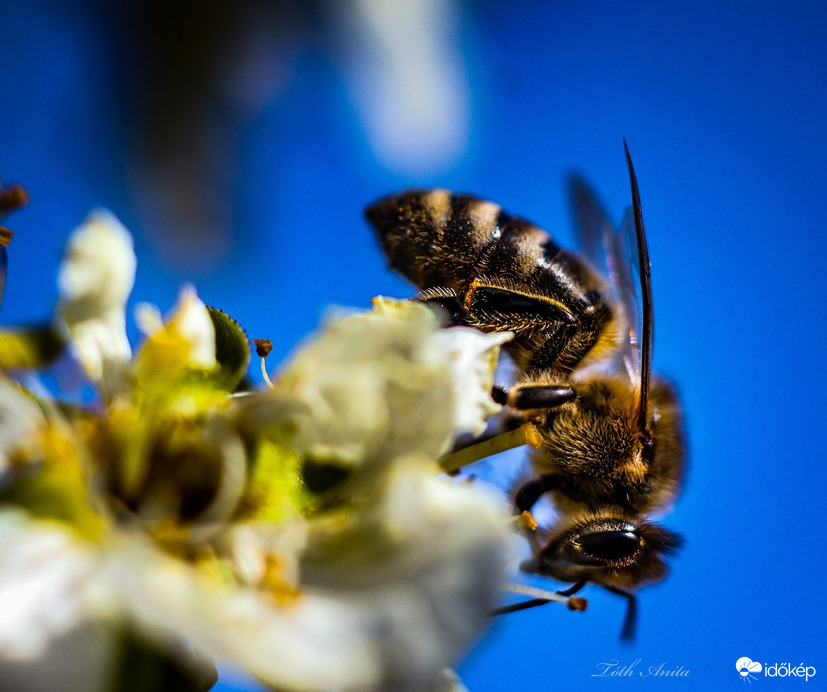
<point x="608" y="435"/>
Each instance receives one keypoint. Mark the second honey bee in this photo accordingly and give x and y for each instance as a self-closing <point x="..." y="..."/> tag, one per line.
<point x="608" y="436"/>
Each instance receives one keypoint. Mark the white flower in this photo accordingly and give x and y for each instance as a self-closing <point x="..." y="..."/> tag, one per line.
<point x="95" y="280"/>
<point x="406" y="74"/>
<point x="399" y="594"/>
<point x="378" y="583"/>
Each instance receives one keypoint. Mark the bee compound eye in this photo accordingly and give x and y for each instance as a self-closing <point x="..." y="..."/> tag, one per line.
<point x="611" y="545"/>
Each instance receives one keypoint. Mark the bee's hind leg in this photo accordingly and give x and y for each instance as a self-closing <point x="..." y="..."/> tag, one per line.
<point x="446" y="301"/>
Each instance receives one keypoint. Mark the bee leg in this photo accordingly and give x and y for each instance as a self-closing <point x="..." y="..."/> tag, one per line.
<point x="630" y="620"/>
<point x="528" y="494"/>
<point x="447" y="300"/>
<point x="523" y="605"/>
<point x="533" y="397"/>
<point x="573" y="589"/>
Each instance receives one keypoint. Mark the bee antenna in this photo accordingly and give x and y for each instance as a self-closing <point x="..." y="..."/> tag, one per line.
<point x="647" y="327"/>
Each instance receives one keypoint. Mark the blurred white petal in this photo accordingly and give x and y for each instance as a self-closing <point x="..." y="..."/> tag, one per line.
<point x="191" y="321"/>
<point x="372" y="389"/>
<point x="379" y="590"/>
<point x="421" y="571"/>
<point x="148" y="318"/>
<point x="406" y="70"/>
<point x="95" y="280"/>
<point x="379" y="611"/>
<point x="43" y="573"/>
<point x="20" y="420"/>
<point x="174" y="346"/>
<point x="473" y="359"/>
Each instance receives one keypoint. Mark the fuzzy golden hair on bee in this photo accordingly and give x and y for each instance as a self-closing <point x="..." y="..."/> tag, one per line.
<point x="595" y="436"/>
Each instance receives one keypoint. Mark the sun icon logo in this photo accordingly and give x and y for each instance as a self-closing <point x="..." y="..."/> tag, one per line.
<point x="747" y="668"/>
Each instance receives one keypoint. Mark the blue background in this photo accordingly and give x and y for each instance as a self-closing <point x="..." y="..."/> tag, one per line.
<point x="724" y="107"/>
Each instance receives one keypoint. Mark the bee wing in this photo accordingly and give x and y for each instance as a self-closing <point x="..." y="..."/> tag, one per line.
<point x="613" y="252"/>
<point x="631" y="292"/>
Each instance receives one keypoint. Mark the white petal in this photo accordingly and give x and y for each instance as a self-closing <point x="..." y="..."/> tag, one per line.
<point x="95" y="280"/>
<point x="98" y="269"/>
<point x="426" y="582"/>
<point x="20" y="419"/>
<point x="43" y="576"/>
<point x="408" y="81"/>
<point x="191" y="320"/>
<point x="448" y="681"/>
<point x="148" y="318"/>
<point x="372" y="388"/>
<point x="306" y="645"/>
<point x="389" y="609"/>
<point x="473" y="357"/>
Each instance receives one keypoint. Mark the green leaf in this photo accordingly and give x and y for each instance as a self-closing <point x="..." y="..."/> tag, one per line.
<point x="30" y="347"/>
<point x="232" y="350"/>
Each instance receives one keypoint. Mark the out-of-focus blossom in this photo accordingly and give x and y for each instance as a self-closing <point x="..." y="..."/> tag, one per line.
<point x="186" y="340"/>
<point x="385" y="383"/>
<point x="301" y="533"/>
<point x="20" y="422"/>
<point x="405" y="66"/>
<point x="198" y="80"/>
<point x="95" y="280"/>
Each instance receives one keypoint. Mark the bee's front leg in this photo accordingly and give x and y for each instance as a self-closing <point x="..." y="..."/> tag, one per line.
<point x="528" y="397"/>
<point x="527" y="495"/>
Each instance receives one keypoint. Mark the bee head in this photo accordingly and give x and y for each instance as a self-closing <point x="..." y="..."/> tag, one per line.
<point x="607" y="549"/>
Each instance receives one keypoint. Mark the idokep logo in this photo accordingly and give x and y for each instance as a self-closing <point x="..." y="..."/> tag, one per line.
<point x="747" y="669"/>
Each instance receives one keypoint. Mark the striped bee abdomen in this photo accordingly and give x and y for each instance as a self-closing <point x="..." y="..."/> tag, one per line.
<point x="506" y="273"/>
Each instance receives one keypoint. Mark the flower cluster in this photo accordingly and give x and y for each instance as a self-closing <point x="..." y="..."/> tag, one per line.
<point x="301" y="532"/>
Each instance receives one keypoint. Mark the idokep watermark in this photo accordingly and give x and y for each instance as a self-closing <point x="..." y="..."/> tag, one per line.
<point x="614" y="669"/>
<point x="750" y="670"/>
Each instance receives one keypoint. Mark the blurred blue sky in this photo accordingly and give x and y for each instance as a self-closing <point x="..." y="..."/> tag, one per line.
<point x="724" y="107"/>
